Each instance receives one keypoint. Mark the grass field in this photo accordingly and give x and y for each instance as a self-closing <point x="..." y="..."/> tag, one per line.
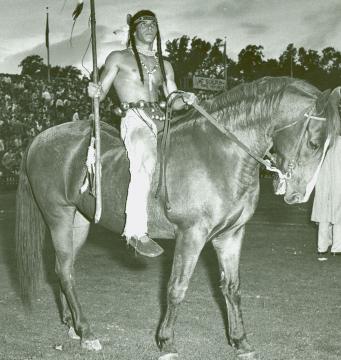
<point x="291" y="301"/>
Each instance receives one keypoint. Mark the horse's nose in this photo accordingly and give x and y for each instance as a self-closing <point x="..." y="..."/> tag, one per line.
<point x="293" y="198"/>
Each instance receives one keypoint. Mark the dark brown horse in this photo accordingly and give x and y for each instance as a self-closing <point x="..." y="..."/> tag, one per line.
<point x="213" y="188"/>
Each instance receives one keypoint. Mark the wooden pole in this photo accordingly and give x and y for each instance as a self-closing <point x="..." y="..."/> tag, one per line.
<point x="225" y="65"/>
<point x="47" y="43"/>
<point x="98" y="212"/>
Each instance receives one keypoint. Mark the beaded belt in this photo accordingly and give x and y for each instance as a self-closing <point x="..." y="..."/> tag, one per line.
<point x="154" y="110"/>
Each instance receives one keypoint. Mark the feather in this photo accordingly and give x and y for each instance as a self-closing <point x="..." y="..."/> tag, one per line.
<point x="122" y="34"/>
<point x="78" y="9"/>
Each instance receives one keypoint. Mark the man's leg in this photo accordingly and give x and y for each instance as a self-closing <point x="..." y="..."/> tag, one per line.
<point x="324" y="237"/>
<point x="141" y="145"/>
<point x="336" y="247"/>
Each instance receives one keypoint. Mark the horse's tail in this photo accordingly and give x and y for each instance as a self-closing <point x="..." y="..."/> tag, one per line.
<point x="333" y="115"/>
<point x="29" y="236"/>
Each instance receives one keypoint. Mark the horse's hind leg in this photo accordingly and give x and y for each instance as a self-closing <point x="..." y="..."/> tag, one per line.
<point x="68" y="237"/>
<point x="80" y="233"/>
<point x="228" y="247"/>
<point x="187" y="250"/>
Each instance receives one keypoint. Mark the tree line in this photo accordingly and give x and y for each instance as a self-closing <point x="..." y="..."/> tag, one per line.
<point x="34" y="66"/>
<point x="199" y="57"/>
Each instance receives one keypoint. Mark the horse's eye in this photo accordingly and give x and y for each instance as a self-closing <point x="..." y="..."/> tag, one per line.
<point x="313" y="145"/>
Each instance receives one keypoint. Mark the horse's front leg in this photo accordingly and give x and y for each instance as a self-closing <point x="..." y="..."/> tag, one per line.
<point x="228" y="247"/>
<point x="187" y="250"/>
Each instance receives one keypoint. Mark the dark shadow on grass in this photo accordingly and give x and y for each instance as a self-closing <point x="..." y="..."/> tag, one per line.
<point x="117" y="247"/>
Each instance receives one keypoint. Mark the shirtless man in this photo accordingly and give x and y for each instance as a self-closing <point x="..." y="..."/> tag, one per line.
<point x="137" y="73"/>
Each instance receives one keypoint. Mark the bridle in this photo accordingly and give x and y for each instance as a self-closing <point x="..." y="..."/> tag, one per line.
<point x="283" y="176"/>
<point x="269" y="163"/>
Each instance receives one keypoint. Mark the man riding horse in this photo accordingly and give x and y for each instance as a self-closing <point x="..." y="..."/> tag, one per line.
<point x="137" y="73"/>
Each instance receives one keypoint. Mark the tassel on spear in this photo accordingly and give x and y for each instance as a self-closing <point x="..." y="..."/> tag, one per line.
<point x="98" y="193"/>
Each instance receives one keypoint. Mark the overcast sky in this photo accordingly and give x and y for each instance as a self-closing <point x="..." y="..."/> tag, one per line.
<point x="314" y="24"/>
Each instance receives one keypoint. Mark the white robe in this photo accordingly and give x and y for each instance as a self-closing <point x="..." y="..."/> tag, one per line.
<point x="327" y="201"/>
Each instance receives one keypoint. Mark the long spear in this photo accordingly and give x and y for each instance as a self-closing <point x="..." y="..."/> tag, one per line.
<point x="96" y="113"/>
<point x="75" y="14"/>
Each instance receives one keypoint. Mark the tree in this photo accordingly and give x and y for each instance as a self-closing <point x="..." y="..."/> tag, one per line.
<point x="186" y="56"/>
<point x="70" y="72"/>
<point x="270" y="67"/>
<point x="33" y="65"/>
<point x="330" y="60"/>
<point x="309" y="67"/>
<point x="199" y="57"/>
<point x="196" y="56"/>
<point x="250" y="62"/>
<point x="287" y="60"/>
<point x="308" y="59"/>
<point x="331" y="65"/>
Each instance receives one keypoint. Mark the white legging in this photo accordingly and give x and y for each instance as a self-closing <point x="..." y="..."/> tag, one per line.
<point x="139" y="134"/>
<point x="329" y="234"/>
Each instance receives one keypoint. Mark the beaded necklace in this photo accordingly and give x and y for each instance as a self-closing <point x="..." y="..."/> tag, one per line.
<point x="149" y="72"/>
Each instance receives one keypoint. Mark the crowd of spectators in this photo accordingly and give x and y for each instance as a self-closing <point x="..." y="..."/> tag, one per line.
<point x="29" y="106"/>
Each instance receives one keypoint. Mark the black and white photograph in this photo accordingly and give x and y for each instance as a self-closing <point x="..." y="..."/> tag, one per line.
<point x="170" y="180"/>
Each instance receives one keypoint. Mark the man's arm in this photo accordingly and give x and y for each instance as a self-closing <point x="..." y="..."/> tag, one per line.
<point x="107" y="77"/>
<point x="187" y="98"/>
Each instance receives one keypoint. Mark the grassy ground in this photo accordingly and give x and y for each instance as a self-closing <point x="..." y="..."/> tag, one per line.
<point x="291" y="301"/>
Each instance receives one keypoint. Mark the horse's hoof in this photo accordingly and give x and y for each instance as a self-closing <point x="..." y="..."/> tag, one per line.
<point x="92" y="345"/>
<point x="169" y="356"/>
<point x="72" y="334"/>
<point x="251" y="355"/>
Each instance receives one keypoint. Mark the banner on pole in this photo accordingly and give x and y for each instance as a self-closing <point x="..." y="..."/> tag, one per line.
<point x="212" y="84"/>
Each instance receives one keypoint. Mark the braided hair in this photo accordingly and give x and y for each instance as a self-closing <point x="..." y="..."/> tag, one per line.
<point x="132" y="22"/>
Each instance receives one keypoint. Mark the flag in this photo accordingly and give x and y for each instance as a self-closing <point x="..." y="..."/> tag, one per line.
<point x="78" y="9"/>
<point x="47" y="31"/>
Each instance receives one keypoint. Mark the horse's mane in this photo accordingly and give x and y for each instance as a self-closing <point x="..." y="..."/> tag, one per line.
<point x="248" y="102"/>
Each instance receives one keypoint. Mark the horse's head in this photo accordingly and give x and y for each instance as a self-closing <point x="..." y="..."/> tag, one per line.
<point x="300" y="147"/>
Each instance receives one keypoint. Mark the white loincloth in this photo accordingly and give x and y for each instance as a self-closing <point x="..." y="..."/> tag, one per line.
<point x="139" y="134"/>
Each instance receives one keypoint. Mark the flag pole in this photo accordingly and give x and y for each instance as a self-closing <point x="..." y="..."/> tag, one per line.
<point x="225" y="65"/>
<point x="47" y="43"/>
<point x="96" y="114"/>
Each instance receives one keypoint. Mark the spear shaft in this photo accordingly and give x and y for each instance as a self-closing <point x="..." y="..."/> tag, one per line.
<point x="96" y="117"/>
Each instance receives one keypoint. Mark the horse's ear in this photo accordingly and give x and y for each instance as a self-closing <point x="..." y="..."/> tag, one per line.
<point x="322" y="101"/>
